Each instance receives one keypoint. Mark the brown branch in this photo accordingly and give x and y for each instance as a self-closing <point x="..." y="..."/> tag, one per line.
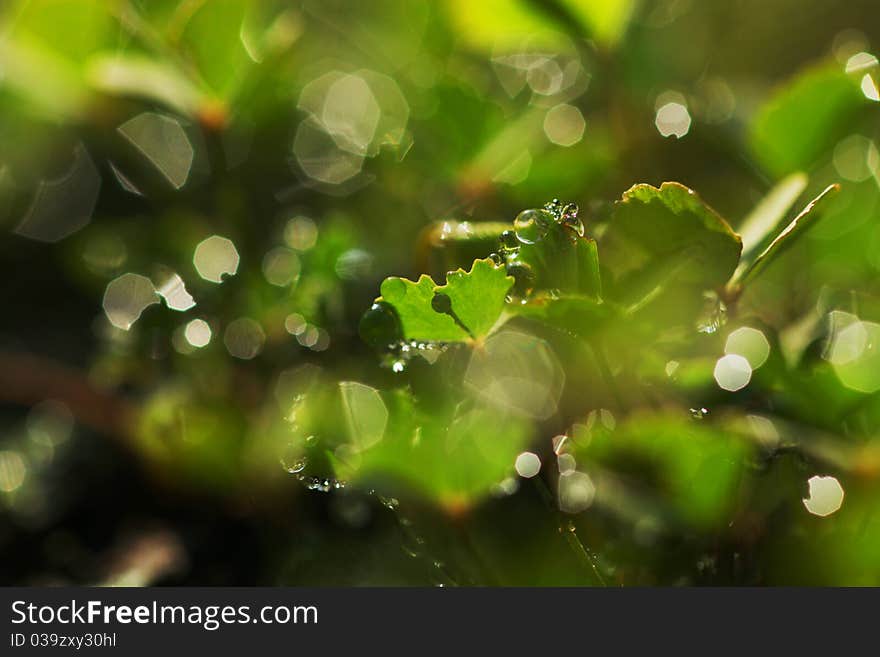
<point x="28" y="379"/>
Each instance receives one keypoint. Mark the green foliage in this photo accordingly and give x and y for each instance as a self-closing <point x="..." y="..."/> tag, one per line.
<point x="688" y="470"/>
<point x="469" y="304"/>
<point x="805" y="117"/>
<point x="636" y="388"/>
<point x="453" y="458"/>
<point x="785" y="238"/>
<point x="672" y="223"/>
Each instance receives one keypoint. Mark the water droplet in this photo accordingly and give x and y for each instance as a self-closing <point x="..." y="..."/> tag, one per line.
<point x="714" y="314"/>
<point x="571" y="220"/>
<point x="390" y="503"/>
<point x="699" y="413"/>
<point x="553" y="206"/>
<point x="532" y="225"/>
<point x="292" y="460"/>
<point x="508" y="239"/>
<point x="523" y="276"/>
<point x="379" y="326"/>
<point x="412" y="545"/>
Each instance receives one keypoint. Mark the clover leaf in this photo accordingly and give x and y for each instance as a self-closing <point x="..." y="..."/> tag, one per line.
<point x="466" y="308"/>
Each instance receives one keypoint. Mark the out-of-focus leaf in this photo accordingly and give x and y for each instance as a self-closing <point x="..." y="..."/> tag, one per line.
<point x="805" y="118"/>
<point x="44" y="48"/>
<point x="72" y="29"/>
<point x="188" y="437"/>
<point x="766" y="217"/>
<point x="689" y="467"/>
<point x="507" y="155"/>
<point x="453" y="460"/>
<point x="46" y="80"/>
<point x="213" y="38"/>
<point x="604" y="20"/>
<point x="785" y="239"/>
<point x="672" y="223"/>
<point x="450" y="244"/>
<point x="475" y="298"/>
<point x="503" y="25"/>
<point x="576" y="313"/>
<point x="146" y="77"/>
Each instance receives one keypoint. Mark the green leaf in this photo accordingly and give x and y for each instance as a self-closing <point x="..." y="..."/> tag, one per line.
<point x="563" y="262"/>
<point x="453" y="459"/>
<point x="785" y="239"/>
<point x="579" y="314"/>
<point x="604" y="20"/>
<point x="687" y="469"/>
<point x="672" y="223"/>
<point x="503" y="25"/>
<point x="448" y="452"/>
<point x="764" y="220"/>
<point x="212" y="38"/>
<point x="476" y="301"/>
<point x="805" y="118"/>
<point x="477" y="296"/>
<point x="48" y="82"/>
<point x="137" y="75"/>
<point x="412" y="303"/>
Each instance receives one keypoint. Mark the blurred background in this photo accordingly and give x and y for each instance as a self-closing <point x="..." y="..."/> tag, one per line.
<point x="199" y="201"/>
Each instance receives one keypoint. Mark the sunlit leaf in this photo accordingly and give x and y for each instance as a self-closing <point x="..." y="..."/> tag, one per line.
<point x="672" y="223"/>
<point x="213" y="38"/>
<point x="475" y="300"/>
<point x="140" y="76"/>
<point x="603" y="20"/>
<point x="805" y="118"/>
<point x="477" y="296"/>
<point x="764" y="220"/>
<point x="504" y="25"/>
<point x="786" y="238"/>
<point x="46" y="80"/>
<point x="412" y="303"/>
<point x="576" y="313"/>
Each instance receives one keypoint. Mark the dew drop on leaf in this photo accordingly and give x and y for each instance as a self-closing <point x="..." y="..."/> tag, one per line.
<point x="380" y="326"/>
<point x="571" y="220"/>
<point x="523" y="276"/>
<point x="292" y="460"/>
<point x="699" y="413"/>
<point x="508" y="239"/>
<point x="531" y="225"/>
